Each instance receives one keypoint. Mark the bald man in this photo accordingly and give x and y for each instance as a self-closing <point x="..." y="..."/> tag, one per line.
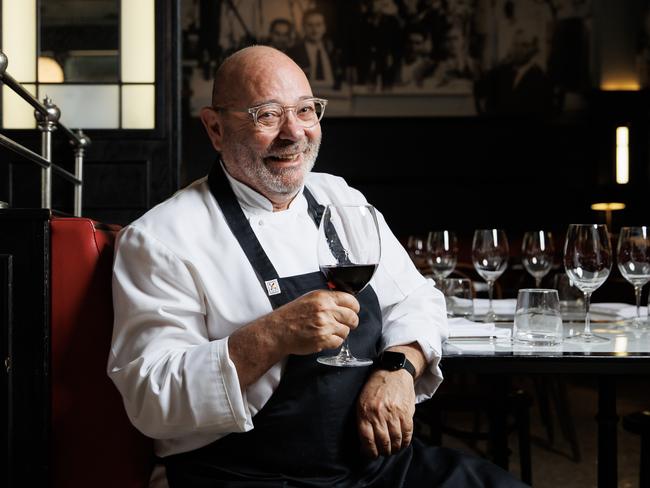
<point x="221" y="313"/>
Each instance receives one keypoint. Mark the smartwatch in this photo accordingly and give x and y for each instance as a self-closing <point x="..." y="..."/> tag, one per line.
<point x="393" y="361"/>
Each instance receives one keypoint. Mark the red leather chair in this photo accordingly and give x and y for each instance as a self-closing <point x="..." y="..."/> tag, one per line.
<point x="93" y="442"/>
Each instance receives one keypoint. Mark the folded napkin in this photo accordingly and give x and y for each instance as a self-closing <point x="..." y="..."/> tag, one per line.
<point x="617" y="310"/>
<point x="505" y="306"/>
<point x="461" y="327"/>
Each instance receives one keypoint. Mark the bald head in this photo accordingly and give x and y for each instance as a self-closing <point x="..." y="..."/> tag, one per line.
<point x="243" y="71"/>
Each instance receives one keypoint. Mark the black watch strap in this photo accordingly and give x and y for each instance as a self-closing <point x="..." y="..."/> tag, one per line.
<point x="408" y="366"/>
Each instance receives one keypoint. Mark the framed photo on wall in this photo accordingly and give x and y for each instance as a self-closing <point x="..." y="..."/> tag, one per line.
<point x="407" y="57"/>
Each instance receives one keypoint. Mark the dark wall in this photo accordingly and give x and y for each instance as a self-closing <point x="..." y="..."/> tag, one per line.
<point x="462" y="173"/>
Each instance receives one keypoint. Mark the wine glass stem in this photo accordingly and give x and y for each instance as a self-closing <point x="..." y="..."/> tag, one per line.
<point x="637" y="296"/>
<point x="345" y="350"/>
<point x="587" y="319"/>
<point x="538" y="282"/>
<point x="490" y="284"/>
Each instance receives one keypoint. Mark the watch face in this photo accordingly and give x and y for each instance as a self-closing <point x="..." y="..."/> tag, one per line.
<point x="393" y="360"/>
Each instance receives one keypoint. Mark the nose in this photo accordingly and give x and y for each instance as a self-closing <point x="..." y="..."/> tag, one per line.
<point x="291" y="129"/>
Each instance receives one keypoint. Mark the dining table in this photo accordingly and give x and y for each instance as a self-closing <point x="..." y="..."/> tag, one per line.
<point x="495" y="354"/>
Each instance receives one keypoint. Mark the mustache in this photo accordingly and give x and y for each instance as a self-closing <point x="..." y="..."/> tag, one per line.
<point x="284" y="149"/>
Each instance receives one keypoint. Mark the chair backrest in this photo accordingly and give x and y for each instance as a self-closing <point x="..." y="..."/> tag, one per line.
<point x="93" y="442"/>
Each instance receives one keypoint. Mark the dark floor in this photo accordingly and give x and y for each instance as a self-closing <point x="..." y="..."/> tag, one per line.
<point x="553" y="463"/>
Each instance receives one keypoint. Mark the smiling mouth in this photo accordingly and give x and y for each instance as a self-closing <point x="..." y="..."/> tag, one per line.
<point x="290" y="158"/>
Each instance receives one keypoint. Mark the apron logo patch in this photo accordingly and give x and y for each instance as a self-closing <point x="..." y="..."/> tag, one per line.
<point x="272" y="287"/>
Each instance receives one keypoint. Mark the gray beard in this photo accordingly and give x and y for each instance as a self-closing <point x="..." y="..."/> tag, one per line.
<point x="280" y="181"/>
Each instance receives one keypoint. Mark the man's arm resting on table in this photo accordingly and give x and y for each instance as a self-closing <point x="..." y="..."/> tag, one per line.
<point x="387" y="404"/>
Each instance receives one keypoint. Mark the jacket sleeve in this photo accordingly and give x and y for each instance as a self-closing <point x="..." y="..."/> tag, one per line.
<point x="173" y="379"/>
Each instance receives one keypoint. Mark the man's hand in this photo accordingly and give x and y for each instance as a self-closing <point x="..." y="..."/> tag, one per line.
<point x="318" y="320"/>
<point x="385" y="412"/>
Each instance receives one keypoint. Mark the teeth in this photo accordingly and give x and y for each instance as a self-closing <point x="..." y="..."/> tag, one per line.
<point x="288" y="158"/>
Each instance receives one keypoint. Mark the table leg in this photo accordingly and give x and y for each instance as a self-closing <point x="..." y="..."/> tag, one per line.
<point x="607" y="433"/>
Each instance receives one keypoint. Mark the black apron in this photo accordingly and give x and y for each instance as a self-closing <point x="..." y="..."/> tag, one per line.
<point x="306" y="434"/>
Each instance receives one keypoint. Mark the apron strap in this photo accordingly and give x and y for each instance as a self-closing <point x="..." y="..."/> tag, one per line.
<point x="314" y="209"/>
<point x="316" y="213"/>
<point x="241" y="229"/>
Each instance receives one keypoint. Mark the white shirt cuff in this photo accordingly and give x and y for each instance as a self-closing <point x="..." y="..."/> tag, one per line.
<point x="228" y="381"/>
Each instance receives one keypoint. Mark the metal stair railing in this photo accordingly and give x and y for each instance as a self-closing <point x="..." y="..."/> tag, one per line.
<point x="47" y="116"/>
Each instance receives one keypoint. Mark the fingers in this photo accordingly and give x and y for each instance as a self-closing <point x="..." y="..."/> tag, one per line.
<point x="318" y="320"/>
<point x="384" y="438"/>
<point x="383" y="435"/>
<point x="367" y="438"/>
<point x="395" y="435"/>
<point x="346" y="300"/>
<point x="346" y="317"/>
<point x="407" y="432"/>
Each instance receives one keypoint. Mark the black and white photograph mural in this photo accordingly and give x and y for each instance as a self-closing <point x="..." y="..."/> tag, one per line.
<point x="535" y="58"/>
<point x="504" y="57"/>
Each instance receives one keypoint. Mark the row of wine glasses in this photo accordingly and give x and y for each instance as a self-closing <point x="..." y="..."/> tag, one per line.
<point x="588" y="262"/>
<point x="439" y="253"/>
<point x="587" y="259"/>
<point x="633" y="257"/>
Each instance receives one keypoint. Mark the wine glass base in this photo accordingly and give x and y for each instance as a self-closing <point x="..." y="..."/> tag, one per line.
<point x="583" y="338"/>
<point x="344" y="361"/>
<point x="490" y="317"/>
<point x="638" y="323"/>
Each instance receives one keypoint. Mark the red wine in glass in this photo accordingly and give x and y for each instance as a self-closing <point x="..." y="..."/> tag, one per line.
<point x="350" y="278"/>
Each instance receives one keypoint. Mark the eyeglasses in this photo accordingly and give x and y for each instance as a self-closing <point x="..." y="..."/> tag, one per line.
<point x="271" y="116"/>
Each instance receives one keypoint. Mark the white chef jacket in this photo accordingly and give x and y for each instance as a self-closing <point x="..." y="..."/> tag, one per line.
<point x="182" y="284"/>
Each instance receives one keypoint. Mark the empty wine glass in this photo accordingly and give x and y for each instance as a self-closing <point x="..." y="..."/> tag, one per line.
<point x="416" y="246"/>
<point x="537" y="253"/>
<point x="349" y="248"/>
<point x="587" y="261"/>
<point x="442" y="251"/>
<point x="490" y="257"/>
<point x="633" y="253"/>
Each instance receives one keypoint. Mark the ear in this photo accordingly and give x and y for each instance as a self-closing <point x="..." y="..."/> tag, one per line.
<point x="212" y="123"/>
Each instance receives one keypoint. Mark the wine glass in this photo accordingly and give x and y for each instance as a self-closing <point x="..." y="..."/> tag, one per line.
<point x="490" y="257"/>
<point x="537" y="253"/>
<point x="442" y="252"/>
<point x="416" y="246"/>
<point x="587" y="261"/>
<point x="349" y="248"/>
<point x="633" y="253"/>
